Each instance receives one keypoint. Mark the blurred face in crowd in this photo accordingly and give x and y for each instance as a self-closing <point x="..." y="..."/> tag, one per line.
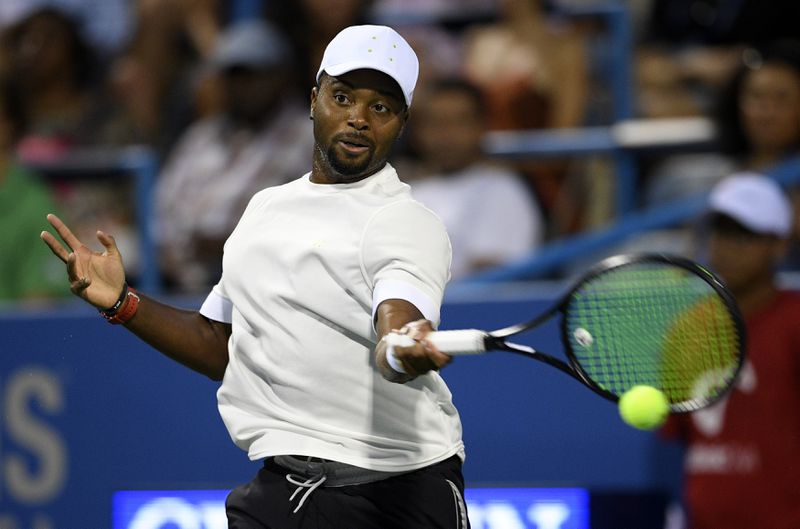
<point x="742" y="258"/>
<point x="43" y="50"/>
<point x="358" y="117"/>
<point x="251" y="94"/>
<point x="770" y="107"/>
<point x="448" y="129"/>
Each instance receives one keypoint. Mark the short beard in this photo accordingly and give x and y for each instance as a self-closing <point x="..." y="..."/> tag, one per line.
<point x="344" y="168"/>
<point x="340" y="170"/>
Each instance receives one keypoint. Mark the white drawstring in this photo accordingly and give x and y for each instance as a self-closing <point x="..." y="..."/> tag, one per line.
<point x="310" y="485"/>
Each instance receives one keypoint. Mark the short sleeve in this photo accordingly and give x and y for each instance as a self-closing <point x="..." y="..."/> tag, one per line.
<point x="217" y="306"/>
<point x="405" y="254"/>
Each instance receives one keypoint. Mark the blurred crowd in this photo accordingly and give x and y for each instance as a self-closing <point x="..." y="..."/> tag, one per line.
<point x="219" y="91"/>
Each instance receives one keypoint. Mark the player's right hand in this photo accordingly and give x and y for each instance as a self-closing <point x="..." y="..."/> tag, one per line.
<point x="97" y="277"/>
<point x="423" y="356"/>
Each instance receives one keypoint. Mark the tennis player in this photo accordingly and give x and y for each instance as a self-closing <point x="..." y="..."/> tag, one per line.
<point x="315" y="275"/>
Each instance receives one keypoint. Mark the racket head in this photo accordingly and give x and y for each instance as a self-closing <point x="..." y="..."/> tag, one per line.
<point x="658" y="320"/>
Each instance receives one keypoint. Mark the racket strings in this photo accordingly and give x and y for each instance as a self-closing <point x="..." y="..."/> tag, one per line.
<point x="654" y="324"/>
<point x="615" y="312"/>
<point x="701" y="352"/>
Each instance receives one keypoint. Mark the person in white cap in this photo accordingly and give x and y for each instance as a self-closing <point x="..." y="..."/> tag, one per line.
<point x="742" y="454"/>
<point x="317" y="273"/>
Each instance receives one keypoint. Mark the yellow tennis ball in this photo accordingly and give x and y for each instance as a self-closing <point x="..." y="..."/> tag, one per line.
<point x="644" y="407"/>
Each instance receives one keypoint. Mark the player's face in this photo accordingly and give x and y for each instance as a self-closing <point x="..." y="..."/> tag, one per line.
<point x="358" y="117"/>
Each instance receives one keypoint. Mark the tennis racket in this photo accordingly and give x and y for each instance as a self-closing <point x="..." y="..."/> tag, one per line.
<point x="652" y="319"/>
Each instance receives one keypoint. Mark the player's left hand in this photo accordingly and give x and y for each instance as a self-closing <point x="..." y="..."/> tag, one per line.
<point x="97" y="277"/>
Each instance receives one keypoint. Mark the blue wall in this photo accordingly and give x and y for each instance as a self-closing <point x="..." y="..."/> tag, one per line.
<point x="88" y="410"/>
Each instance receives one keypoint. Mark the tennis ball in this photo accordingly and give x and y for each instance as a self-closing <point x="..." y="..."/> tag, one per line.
<point x="644" y="407"/>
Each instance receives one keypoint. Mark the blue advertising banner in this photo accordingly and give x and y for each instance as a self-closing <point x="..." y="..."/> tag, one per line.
<point x="489" y="508"/>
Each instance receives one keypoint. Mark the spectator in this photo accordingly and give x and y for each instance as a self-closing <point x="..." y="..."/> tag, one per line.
<point x="689" y="48"/>
<point x="24" y="201"/>
<point x="56" y="71"/>
<point x="154" y="80"/>
<point x="758" y="122"/>
<point x="489" y="213"/>
<point x="686" y="52"/>
<point x="673" y="84"/>
<point x="260" y="138"/>
<point x="533" y="69"/>
<point x="106" y="23"/>
<point x="760" y="112"/>
<point x="58" y="77"/>
<point x="742" y="458"/>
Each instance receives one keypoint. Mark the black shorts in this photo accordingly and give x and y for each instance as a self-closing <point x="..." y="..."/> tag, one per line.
<point x="428" y="498"/>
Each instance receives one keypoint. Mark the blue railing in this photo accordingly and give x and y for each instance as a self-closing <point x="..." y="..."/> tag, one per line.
<point x="617" y="72"/>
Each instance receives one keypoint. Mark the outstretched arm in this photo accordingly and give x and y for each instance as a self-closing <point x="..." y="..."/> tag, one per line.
<point x="99" y="278"/>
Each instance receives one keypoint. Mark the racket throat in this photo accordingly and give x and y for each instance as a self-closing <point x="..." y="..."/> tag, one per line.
<point x="493" y="342"/>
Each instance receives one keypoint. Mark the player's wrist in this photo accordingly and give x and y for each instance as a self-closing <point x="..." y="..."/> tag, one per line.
<point x="118" y="303"/>
<point x="391" y="359"/>
<point x="124" y="308"/>
<point x="389" y="364"/>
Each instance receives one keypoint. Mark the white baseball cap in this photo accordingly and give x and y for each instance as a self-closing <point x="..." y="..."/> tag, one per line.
<point x="755" y="201"/>
<point x="376" y="48"/>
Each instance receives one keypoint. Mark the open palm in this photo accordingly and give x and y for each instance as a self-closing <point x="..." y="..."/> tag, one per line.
<point x="97" y="277"/>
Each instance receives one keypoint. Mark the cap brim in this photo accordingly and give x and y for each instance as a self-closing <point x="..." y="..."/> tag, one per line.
<point x="342" y="68"/>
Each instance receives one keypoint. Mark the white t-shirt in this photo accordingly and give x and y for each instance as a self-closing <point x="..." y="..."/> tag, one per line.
<point x="303" y="274"/>
<point x="489" y="214"/>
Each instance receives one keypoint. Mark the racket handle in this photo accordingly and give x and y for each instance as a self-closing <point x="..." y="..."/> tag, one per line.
<point x="461" y="342"/>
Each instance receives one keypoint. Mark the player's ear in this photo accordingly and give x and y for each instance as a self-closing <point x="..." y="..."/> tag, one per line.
<point x="314" y="94"/>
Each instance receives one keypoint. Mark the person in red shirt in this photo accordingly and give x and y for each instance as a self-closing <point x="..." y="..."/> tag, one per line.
<point x="742" y="459"/>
